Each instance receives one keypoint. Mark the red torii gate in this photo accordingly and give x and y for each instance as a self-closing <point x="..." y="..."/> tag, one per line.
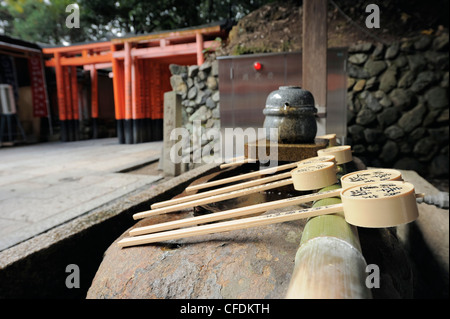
<point x="140" y="76"/>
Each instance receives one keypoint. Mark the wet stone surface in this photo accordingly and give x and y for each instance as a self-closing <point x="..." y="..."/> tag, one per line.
<point x="250" y="263"/>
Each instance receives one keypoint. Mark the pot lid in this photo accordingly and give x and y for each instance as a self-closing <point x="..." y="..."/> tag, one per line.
<point x="293" y="96"/>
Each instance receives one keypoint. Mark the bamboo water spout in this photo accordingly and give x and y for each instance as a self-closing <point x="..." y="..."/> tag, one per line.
<point x="329" y="263"/>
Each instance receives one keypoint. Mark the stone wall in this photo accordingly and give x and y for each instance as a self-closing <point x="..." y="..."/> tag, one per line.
<point x="398" y="110"/>
<point x="398" y="104"/>
<point x="199" y="90"/>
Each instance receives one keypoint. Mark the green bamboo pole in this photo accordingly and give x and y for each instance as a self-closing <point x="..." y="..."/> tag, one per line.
<point x="329" y="263"/>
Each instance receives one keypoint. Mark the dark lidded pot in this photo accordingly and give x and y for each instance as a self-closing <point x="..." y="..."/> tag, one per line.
<point x="291" y="110"/>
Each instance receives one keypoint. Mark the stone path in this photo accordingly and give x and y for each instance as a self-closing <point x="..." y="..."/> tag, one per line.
<point x="45" y="185"/>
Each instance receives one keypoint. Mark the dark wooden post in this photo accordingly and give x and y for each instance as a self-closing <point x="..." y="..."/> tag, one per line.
<point x="314" y="55"/>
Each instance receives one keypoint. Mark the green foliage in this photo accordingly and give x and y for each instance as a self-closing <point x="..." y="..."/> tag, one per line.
<point x="41" y="21"/>
<point x="44" y="20"/>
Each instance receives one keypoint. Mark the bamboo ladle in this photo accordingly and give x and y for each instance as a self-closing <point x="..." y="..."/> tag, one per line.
<point x="342" y="155"/>
<point x="326" y="176"/>
<point x="308" y="177"/>
<point x="330" y="137"/>
<point x="238" y="162"/>
<point x="372" y="205"/>
<point x="243" y="185"/>
<point x="242" y="159"/>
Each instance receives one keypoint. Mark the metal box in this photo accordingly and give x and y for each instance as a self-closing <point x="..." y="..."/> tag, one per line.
<point x="243" y="90"/>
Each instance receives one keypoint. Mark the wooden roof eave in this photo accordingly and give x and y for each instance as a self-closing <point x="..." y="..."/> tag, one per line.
<point x="79" y="48"/>
<point x="104" y="52"/>
<point x="172" y="35"/>
<point x="17" y="50"/>
<point x="82" y="60"/>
